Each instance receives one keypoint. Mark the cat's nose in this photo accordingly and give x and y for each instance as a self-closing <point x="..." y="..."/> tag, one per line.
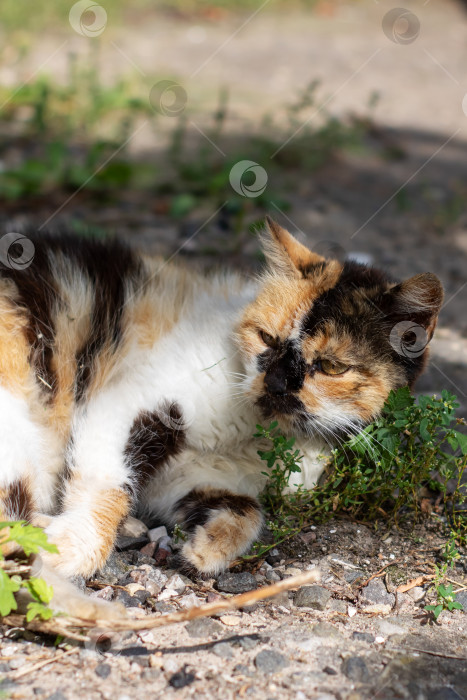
<point x="275" y="384"/>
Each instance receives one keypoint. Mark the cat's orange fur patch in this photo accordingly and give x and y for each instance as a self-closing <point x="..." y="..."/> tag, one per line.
<point x="109" y="510"/>
<point x="225" y="536"/>
<point x="15" y="371"/>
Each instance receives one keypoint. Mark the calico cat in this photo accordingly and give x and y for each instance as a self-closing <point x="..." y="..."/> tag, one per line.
<point x="131" y="385"/>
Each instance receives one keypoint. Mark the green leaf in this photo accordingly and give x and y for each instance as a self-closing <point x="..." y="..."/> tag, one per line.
<point x="8" y="586"/>
<point x="462" y="440"/>
<point x="39" y="590"/>
<point x="29" y="537"/>
<point x="38" y="610"/>
<point x="424" y="430"/>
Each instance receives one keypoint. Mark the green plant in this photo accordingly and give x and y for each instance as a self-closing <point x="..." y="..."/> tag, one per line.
<point x="14" y="573"/>
<point x="378" y="472"/>
<point x="445" y="596"/>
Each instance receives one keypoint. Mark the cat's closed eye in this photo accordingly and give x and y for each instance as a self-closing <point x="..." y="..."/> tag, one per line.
<point x="332" y="366"/>
<point x="268" y="339"/>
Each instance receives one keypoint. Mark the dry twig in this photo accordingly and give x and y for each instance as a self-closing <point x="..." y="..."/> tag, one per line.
<point x="71" y="626"/>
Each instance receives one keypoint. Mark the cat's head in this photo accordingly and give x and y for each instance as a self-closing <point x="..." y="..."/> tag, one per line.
<point x="324" y="342"/>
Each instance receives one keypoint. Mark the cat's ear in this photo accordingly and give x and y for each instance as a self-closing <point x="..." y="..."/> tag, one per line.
<point x="284" y="253"/>
<point x="418" y="299"/>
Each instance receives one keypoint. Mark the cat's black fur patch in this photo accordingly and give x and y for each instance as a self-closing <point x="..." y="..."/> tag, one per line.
<point x="154" y="438"/>
<point x="18" y="500"/>
<point x="36" y="293"/>
<point x="195" y="508"/>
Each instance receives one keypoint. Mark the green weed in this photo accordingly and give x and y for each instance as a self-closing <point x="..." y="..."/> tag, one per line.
<point x="377" y="473"/>
<point x="13" y="573"/>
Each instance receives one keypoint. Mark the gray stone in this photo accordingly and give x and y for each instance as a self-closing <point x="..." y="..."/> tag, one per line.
<point x="132" y="527"/>
<point x="79" y="582"/>
<point x="114" y="569"/>
<point x="223" y="650"/>
<point x="125" y="543"/>
<point x="249" y="642"/>
<point x="354" y="576"/>
<point x="103" y="670"/>
<point x="330" y="671"/>
<point x="315" y="597"/>
<point x="417" y="593"/>
<point x="325" y="630"/>
<point x="354" y="667"/>
<point x="272" y="576"/>
<point x="236" y="583"/>
<point x="127" y="600"/>
<point x="338" y="605"/>
<point x="203" y="627"/>
<point x="17" y="663"/>
<point x="56" y="696"/>
<point x="270" y="661"/>
<point x="157" y="533"/>
<point x="376" y="594"/>
<point x="461" y="598"/>
<point x="363" y="637"/>
<point x="389" y="628"/>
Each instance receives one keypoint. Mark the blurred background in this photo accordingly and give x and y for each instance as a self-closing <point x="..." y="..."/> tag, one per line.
<point x="179" y="125"/>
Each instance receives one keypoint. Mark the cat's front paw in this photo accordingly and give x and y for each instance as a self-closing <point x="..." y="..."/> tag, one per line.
<point x="225" y="536"/>
<point x="81" y="548"/>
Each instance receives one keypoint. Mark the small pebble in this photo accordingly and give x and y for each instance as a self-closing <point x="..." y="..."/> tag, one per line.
<point x="223" y="650"/>
<point x="236" y="583"/>
<point x="157" y="533"/>
<point x="355" y="668"/>
<point x="103" y="670"/>
<point x="315" y="597"/>
<point x="203" y="627"/>
<point x="330" y="671"/>
<point x="270" y="661"/>
<point x="363" y="637"/>
<point x="182" y="678"/>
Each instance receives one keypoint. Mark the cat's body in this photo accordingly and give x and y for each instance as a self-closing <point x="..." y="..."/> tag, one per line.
<point x="133" y="386"/>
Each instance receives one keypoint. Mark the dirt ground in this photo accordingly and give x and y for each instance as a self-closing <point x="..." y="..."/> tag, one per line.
<point x="338" y="646"/>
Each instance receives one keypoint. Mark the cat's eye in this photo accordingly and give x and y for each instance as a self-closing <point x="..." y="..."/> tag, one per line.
<point x="268" y="339"/>
<point x="333" y="367"/>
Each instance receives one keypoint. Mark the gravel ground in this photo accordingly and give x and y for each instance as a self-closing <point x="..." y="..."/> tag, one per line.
<point x="344" y="638"/>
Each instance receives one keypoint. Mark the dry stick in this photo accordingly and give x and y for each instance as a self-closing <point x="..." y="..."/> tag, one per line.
<point x="67" y="625"/>
<point x="378" y="573"/>
<point x="433" y="653"/>
<point x="23" y="671"/>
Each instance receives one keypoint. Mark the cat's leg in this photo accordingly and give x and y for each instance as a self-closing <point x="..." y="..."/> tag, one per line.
<point x="221" y="525"/>
<point x="97" y="492"/>
<point x="26" y="485"/>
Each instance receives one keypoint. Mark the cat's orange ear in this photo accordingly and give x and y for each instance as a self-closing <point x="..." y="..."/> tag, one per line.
<point x="284" y="253"/>
<point x="419" y="299"/>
